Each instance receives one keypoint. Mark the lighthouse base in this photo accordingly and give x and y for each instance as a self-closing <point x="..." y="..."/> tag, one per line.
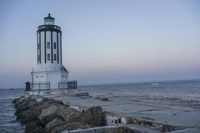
<point x="51" y="91"/>
<point x="49" y="80"/>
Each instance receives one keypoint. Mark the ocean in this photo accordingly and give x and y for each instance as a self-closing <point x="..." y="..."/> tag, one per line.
<point x="177" y="89"/>
<point x="187" y="91"/>
<point x="8" y="123"/>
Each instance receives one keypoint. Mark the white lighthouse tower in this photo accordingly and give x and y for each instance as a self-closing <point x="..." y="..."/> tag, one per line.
<point x="49" y="74"/>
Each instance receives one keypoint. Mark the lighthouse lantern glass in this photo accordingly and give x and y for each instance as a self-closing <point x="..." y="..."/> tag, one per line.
<point x="49" y="21"/>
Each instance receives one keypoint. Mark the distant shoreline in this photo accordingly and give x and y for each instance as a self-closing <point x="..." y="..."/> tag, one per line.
<point x="145" y="82"/>
<point x="123" y="83"/>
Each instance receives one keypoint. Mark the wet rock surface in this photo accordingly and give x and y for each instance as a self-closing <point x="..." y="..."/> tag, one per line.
<point x="43" y="115"/>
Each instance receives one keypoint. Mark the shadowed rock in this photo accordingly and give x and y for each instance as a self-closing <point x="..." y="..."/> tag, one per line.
<point x="34" y="127"/>
<point x="69" y="114"/>
<point x="54" y="123"/>
<point x="93" y="116"/>
<point x="48" y="115"/>
<point x="69" y="126"/>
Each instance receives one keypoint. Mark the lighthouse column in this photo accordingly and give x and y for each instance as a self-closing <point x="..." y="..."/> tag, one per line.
<point x="50" y="73"/>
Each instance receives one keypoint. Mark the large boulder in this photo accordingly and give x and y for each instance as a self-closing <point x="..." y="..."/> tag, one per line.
<point x="69" y="114"/>
<point x="23" y="104"/>
<point x="25" y="110"/>
<point x="34" y="127"/>
<point x="28" y="115"/>
<point x="48" y="114"/>
<point x="93" y="116"/>
<point x="24" y="101"/>
<point x="48" y="108"/>
<point x="54" y="123"/>
<point x="46" y="102"/>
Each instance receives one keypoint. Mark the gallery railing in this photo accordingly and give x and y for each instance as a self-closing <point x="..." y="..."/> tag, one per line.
<point x="72" y="84"/>
<point x="46" y="86"/>
<point x="40" y="86"/>
<point x="62" y="85"/>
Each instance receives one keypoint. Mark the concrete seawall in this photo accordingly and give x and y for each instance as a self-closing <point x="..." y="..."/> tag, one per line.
<point x="128" y="114"/>
<point x="158" y="115"/>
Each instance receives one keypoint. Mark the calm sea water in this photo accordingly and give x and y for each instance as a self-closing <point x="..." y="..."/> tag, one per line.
<point x="186" y="90"/>
<point x="8" y="123"/>
<point x="180" y="89"/>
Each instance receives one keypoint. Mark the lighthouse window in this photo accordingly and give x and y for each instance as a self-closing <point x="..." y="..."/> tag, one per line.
<point x="54" y="45"/>
<point x="48" y="56"/>
<point x="54" y="56"/>
<point x="48" y="45"/>
<point x="38" y="46"/>
<point x="38" y="57"/>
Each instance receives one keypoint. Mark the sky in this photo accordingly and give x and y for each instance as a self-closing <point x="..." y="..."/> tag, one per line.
<point x="104" y="41"/>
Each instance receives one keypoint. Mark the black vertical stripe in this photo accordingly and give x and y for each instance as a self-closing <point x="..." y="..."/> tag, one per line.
<point x="40" y="47"/>
<point x="45" y="43"/>
<point x="57" y="49"/>
<point x="61" y="47"/>
<point x="37" y="47"/>
<point x="51" y="47"/>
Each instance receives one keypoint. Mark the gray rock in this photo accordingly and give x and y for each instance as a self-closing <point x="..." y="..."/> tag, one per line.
<point x="34" y="127"/>
<point x="23" y="104"/>
<point x="94" y="116"/>
<point x="69" y="127"/>
<point x="46" y="102"/>
<point x="48" y="114"/>
<point x="25" y="110"/>
<point x="54" y="123"/>
<point x="28" y="115"/>
<point x="69" y="114"/>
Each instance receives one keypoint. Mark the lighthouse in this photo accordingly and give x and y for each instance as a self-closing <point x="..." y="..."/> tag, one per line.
<point x="49" y="74"/>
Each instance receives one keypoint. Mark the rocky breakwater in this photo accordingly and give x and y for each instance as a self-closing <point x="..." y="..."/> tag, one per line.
<point x="43" y="115"/>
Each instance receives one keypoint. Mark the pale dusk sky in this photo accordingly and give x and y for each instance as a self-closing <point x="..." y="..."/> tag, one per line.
<point x="104" y="41"/>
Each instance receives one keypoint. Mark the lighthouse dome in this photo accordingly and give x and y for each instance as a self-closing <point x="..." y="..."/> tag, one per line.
<point x="49" y="20"/>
